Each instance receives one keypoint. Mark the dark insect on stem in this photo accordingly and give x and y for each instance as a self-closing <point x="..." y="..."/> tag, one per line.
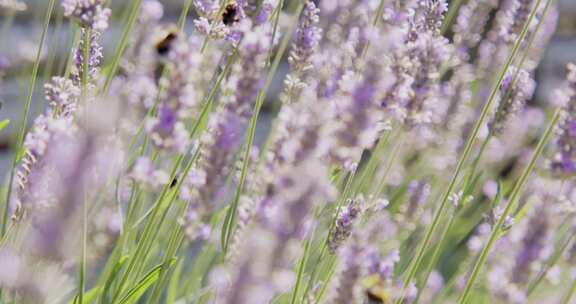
<point x="174" y="182"/>
<point x="230" y="14"/>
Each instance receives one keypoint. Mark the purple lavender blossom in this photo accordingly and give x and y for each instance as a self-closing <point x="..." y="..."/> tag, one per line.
<point x="358" y="117"/>
<point x="95" y="57"/>
<point x="205" y="7"/>
<point x="510" y="20"/>
<point x="361" y="257"/>
<point x="62" y="96"/>
<point x="564" y="162"/>
<point x="282" y="221"/>
<point x="167" y="132"/>
<point x="470" y="23"/>
<point x="516" y="88"/>
<point x="533" y="246"/>
<point x="45" y="130"/>
<point x="344" y="223"/>
<point x="418" y="192"/>
<point x="226" y="128"/>
<point x="307" y="39"/>
<point x="90" y="13"/>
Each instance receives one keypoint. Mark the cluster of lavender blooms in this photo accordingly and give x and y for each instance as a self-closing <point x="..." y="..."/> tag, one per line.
<point x="141" y="187"/>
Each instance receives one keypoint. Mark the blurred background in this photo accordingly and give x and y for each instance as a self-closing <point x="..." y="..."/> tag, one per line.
<point x="19" y="38"/>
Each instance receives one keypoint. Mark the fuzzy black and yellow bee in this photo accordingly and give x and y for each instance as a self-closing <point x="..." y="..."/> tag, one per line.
<point x="230" y="14"/>
<point x="376" y="290"/>
<point x="165" y="40"/>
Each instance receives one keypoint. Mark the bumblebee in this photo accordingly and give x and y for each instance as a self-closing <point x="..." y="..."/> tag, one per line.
<point x="230" y="14"/>
<point x="376" y="290"/>
<point x="165" y="40"/>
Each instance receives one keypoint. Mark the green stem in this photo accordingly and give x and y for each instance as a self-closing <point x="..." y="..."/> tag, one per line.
<point x="415" y="264"/>
<point x="52" y="49"/>
<point x="516" y="191"/>
<point x="301" y="271"/>
<point x="454" y="8"/>
<point x="25" y="113"/>
<point x="570" y="293"/>
<point x="85" y="71"/>
<point x="435" y="257"/>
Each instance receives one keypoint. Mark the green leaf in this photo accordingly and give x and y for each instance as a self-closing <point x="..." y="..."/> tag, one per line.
<point x="88" y="296"/>
<point x="498" y="197"/>
<point x="135" y="293"/>
<point x="4" y="123"/>
<point x="174" y="284"/>
<point x="112" y="276"/>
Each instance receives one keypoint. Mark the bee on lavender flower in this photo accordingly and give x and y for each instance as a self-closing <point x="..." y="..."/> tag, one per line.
<point x="230" y="14"/>
<point x="376" y="290"/>
<point x="165" y="40"/>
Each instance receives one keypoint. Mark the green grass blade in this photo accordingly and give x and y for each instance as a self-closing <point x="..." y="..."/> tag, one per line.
<point x="4" y="123"/>
<point x="135" y="293"/>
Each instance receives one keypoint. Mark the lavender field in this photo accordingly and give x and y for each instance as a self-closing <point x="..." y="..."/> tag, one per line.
<point x="287" y="151"/>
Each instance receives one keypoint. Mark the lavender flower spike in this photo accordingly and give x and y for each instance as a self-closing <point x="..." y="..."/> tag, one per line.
<point x="344" y="223"/>
<point x="226" y="127"/>
<point x="513" y="95"/>
<point x="62" y="96"/>
<point x="95" y="57"/>
<point x="564" y="162"/>
<point x="308" y="36"/>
